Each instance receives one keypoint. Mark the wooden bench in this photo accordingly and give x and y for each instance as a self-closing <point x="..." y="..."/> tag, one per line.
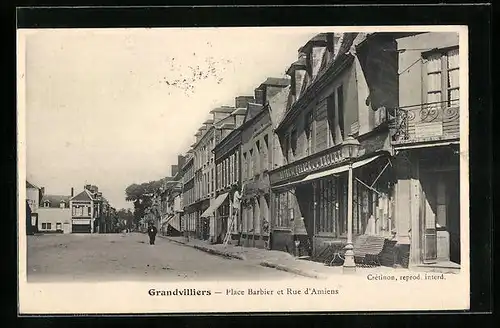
<point x="367" y="251"/>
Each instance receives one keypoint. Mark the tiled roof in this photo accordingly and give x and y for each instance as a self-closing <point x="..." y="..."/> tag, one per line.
<point x="298" y="64"/>
<point x="55" y="200"/>
<point x="84" y="196"/>
<point x="30" y="185"/>
<point x="239" y="111"/>
<point x="209" y="121"/>
<point x="227" y="126"/>
<point x="276" y="81"/>
<point x="253" y="110"/>
<point x="223" y="109"/>
<point x="278" y="105"/>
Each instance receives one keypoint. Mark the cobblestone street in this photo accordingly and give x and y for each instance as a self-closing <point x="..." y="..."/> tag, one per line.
<point x="111" y="257"/>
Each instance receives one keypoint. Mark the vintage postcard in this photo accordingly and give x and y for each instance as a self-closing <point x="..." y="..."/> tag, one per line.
<point x="196" y="170"/>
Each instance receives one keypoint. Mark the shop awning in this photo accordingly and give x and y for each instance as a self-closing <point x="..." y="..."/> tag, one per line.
<point x="341" y="169"/>
<point x="175" y="223"/>
<point x="215" y="205"/>
<point x="168" y="219"/>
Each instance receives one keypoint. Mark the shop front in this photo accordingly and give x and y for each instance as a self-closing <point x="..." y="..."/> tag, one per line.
<point x="310" y="201"/>
<point x="428" y="194"/>
<point x="213" y="222"/>
<point x="256" y="213"/>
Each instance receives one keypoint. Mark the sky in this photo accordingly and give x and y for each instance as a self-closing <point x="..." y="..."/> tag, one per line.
<point x="113" y="107"/>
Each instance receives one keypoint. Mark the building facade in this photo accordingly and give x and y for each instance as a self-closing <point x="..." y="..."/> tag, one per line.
<point x="87" y="210"/>
<point x="33" y="196"/>
<point x="205" y="176"/>
<point x="54" y="214"/>
<point x="426" y="140"/>
<point x="228" y="173"/>
<point x="188" y="217"/>
<point x="331" y="99"/>
<point x="256" y="146"/>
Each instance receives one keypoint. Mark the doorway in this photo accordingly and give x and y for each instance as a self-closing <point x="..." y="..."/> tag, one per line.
<point x="439" y="216"/>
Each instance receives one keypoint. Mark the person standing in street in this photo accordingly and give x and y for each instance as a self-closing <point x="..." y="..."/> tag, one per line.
<point x="152" y="233"/>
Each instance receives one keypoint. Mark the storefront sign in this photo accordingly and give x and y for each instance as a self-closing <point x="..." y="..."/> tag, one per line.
<point x="311" y="165"/>
<point x="81" y="221"/>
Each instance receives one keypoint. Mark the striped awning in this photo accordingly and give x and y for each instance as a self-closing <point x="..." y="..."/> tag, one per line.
<point x="175" y="222"/>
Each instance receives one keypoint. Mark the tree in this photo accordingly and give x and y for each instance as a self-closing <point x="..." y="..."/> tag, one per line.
<point x="140" y="195"/>
<point x="124" y="218"/>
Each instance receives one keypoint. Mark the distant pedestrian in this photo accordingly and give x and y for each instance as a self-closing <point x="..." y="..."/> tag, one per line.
<point x="152" y="231"/>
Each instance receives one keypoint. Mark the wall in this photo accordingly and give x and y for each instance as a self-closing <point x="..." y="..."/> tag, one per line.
<point x="53" y="216"/>
<point x="32" y="195"/>
<point x="412" y="75"/>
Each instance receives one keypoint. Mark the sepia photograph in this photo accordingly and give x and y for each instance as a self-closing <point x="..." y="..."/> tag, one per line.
<point x="247" y="169"/>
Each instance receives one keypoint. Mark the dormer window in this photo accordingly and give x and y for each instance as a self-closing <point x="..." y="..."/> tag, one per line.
<point x="46" y="204"/>
<point x="62" y="204"/>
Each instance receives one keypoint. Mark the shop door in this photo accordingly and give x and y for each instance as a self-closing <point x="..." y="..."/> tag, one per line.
<point x="453" y="213"/>
<point x="428" y="229"/>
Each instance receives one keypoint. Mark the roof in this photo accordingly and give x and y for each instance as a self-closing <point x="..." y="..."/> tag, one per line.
<point x="55" y="200"/>
<point x="30" y="185"/>
<point x="320" y="38"/>
<point x="278" y="105"/>
<point x="222" y="109"/>
<point x="253" y="110"/>
<point x="227" y="126"/>
<point x="209" y="121"/>
<point x="239" y="111"/>
<point x="83" y="196"/>
<point x="298" y="64"/>
<point x="276" y="81"/>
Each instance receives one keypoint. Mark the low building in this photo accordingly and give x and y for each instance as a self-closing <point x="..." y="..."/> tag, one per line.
<point x="33" y="196"/>
<point x="87" y="210"/>
<point x="54" y="214"/>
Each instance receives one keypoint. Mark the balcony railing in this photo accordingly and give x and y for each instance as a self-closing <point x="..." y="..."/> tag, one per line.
<point x="426" y="122"/>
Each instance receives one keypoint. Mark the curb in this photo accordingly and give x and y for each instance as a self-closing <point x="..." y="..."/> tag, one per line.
<point x="208" y="250"/>
<point x="291" y="270"/>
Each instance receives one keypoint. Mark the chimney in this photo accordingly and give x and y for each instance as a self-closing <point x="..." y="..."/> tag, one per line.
<point x="180" y="161"/>
<point x="260" y="96"/>
<point x="174" y="169"/>
<point x="88" y="187"/>
<point x="242" y="101"/>
<point x="72" y="192"/>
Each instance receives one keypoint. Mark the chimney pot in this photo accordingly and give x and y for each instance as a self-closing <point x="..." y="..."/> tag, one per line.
<point x="72" y="192"/>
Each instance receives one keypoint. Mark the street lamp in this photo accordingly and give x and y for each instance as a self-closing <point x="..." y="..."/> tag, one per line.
<point x="350" y="149"/>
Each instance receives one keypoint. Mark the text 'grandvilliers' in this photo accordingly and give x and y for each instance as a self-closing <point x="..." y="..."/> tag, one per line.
<point x="179" y="292"/>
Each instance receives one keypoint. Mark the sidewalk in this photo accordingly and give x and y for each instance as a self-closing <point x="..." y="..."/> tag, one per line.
<point x="276" y="259"/>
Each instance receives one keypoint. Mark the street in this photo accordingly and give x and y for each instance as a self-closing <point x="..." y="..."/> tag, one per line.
<point x="121" y="257"/>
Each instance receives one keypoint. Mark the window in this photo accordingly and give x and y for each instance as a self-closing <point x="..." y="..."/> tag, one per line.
<point x="212" y="180"/>
<point x="268" y="153"/>
<point x="327" y="206"/>
<point x="331" y="108"/>
<point x="237" y="166"/>
<point x="49" y="226"/>
<point x="62" y="204"/>
<point x="251" y="165"/>
<point x="44" y="225"/>
<point x="286" y="147"/>
<point x="258" y="155"/>
<point x="293" y="141"/>
<point x="282" y="209"/>
<point x="58" y="226"/>
<point x="443" y="77"/>
<point x="340" y="107"/>
<point x="46" y="203"/>
<point x="231" y="169"/>
<point x="244" y="166"/>
<point x="309" y="133"/>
